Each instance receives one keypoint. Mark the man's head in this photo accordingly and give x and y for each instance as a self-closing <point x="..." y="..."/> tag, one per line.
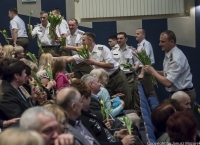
<point x="88" y="38"/>
<point x="93" y="82"/>
<point x="73" y="25"/>
<point x="140" y="34"/>
<point x="183" y="99"/>
<point x="56" y="11"/>
<point x="42" y="121"/>
<point x="43" y="17"/>
<point x="122" y="38"/>
<point x="12" y="13"/>
<point x="70" y="100"/>
<point x="167" y="40"/>
<point x="112" y="40"/>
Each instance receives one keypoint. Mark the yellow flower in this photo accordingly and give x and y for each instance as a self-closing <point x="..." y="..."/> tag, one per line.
<point x="101" y="102"/>
<point x="199" y="110"/>
<point x="86" y="46"/>
<point x="4" y="31"/>
<point x="48" y="64"/>
<point x="122" y="119"/>
<point x="31" y="12"/>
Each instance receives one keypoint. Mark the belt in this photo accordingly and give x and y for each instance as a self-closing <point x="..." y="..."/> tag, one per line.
<point x="115" y="73"/>
<point x="48" y="46"/>
<point x="184" y="90"/>
<point x="22" y="37"/>
<point x="128" y="74"/>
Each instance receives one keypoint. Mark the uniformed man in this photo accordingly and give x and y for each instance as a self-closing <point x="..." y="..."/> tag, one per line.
<point x="74" y="40"/>
<point x="145" y="78"/>
<point x="122" y="54"/>
<point x="63" y="28"/>
<point x="18" y="30"/>
<point x="42" y="31"/>
<point x="101" y="57"/>
<point x="176" y="75"/>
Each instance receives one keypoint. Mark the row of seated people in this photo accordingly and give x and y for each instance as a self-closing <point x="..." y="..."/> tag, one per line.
<point x="19" y="93"/>
<point x="174" y="120"/>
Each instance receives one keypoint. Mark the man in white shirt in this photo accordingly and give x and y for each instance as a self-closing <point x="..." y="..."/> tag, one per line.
<point x="122" y="53"/>
<point x="74" y="40"/>
<point x="42" y="31"/>
<point x="176" y="75"/>
<point x="63" y="28"/>
<point x="145" y="78"/>
<point x="18" y="30"/>
<point x="101" y="57"/>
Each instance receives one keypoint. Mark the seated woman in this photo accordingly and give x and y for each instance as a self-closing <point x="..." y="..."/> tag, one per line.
<point x="159" y="118"/>
<point x="103" y="77"/>
<point x="182" y="127"/>
<point x="45" y="59"/>
<point x="13" y="101"/>
<point x="59" y="75"/>
<point x="9" y="51"/>
<point x="19" y="54"/>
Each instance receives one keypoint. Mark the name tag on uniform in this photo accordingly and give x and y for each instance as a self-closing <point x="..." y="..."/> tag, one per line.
<point x="115" y="54"/>
<point x="100" y="48"/>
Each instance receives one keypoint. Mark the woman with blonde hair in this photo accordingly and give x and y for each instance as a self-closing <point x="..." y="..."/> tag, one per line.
<point x="9" y="51"/>
<point x="59" y="74"/>
<point x="18" y="136"/>
<point x="19" y="54"/>
<point x="116" y="103"/>
<point x="60" y="115"/>
<point x="45" y="59"/>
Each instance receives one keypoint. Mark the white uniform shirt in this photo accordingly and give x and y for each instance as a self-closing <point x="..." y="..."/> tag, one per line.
<point x="100" y="53"/>
<point x="64" y="27"/>
<point x="75" y="39"/>
<point x="18" y="23"/>
<point x="43" y="34"/>
<point x="148" y="48"/>
<point x="123" y="56"/>
<point x="177" y="70"/>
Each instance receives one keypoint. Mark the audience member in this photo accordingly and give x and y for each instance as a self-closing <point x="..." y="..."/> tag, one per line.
<point x="182" y="127"/>
<point x="44" y="122"/>
<point x="72" y="102"/>
<point x="18" y="136"/>
<point x="59" y="75"/>
<point x="183" y="98"/>
<point x="159" y="118"/>
<point x="8" y="51"/>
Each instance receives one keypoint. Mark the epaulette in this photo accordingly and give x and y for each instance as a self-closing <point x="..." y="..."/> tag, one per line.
<point x="171" y="57"/>
<point x="38" y="25"/>
<point x="100" y="48"/>
<point x="81" y="32"/>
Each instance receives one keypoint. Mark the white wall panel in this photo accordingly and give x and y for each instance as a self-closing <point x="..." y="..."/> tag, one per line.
<point x="123" y="8"/>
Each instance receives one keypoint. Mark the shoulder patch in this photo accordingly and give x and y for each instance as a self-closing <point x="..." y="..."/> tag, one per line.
<point x="81" y="32"/>
<point x="100" y="48"/>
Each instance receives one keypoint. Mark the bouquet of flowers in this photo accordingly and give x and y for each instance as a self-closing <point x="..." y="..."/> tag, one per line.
<point x="37" y="81"/>
<point x="62" y="42"/>
<point x="128" y="123"/>
<point x="29" y="20"/>
<point x="145" y="60"/>
<point x="54" y="20"/>
<point x="105" y="111"/>
<point x="127" y="66"/>
<point x="5" y="35"/>
<point x="32" y="57"/>
<point x="84" y="52"/>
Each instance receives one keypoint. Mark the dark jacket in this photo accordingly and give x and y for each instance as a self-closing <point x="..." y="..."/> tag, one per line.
<point x="12" y="104"/>
<point x="1" y="123"/>
<point x="98" y="129"/>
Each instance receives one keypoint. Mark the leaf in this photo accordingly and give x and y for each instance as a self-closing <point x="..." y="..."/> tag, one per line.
<point x="32" y="57"/>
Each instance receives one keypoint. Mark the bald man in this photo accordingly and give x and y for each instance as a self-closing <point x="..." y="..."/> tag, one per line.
<point x="183" y="99"/>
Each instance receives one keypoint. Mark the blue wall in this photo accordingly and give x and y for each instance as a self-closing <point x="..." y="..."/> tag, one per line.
<point x="104" y="29"/>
